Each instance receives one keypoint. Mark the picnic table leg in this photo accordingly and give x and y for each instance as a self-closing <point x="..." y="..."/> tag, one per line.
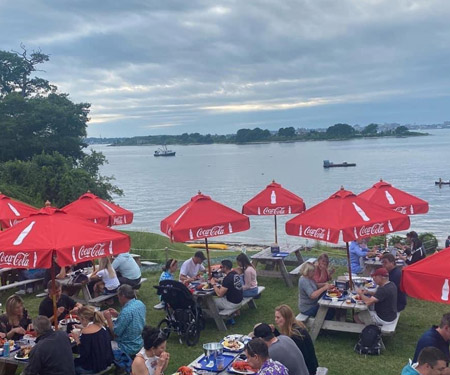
<point x="86" y="293"/>
<point x="214" y="312"/>
<point x="299" y="257"/>
<point x="318" y="322"/>
<point x="365" y="317"/>
<point x="285" y="274"/>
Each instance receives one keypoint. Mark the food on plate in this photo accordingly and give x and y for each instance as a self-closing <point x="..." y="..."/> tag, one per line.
<point x="199" y="287"/>
<point x="369" y="285"/>
<point x="3" y="341"/>
<point x="243" y="366"/>
<point x="24" y="352"/>
<point x="207" y="286"/>
<point x="31" y="333"/>
<point x="185" y="370"/>
<point x="334" y="292"/>
<point x="233" y="344"/>
<point x="357" y="297"/>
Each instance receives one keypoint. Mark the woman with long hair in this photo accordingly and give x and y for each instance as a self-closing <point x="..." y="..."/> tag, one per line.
<point x="152" y="359"/>
<point x="248" y="272"/>
<point x="109" y="281"/>
<point x="15" y="321"/>
<point x="169" y="269"/>
<point x="94" y="342"/>
<point x="287" y="325"/>
<point x="322" y="273"/>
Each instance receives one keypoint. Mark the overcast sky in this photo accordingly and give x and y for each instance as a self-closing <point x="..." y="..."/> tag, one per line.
<point x="169" y="67"/>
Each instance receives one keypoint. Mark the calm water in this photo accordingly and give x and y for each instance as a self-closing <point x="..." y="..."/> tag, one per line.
<point x="232" y="174"/>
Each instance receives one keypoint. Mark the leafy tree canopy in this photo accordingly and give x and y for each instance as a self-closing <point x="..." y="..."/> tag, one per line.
<point x="42" y="132"/>
<point x="340" y="131"/>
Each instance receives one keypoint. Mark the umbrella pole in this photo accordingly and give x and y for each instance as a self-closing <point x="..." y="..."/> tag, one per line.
<point x="276" y="236"/>
<point x="209" y="261"/>
<point x="55" y="309"/>
<point x="349" y="266"/>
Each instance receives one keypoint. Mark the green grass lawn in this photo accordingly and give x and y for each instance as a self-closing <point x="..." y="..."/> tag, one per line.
<point x="334" y="350"/>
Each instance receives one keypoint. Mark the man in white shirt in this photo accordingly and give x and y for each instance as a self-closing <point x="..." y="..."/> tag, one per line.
<point x="190" y="269"/>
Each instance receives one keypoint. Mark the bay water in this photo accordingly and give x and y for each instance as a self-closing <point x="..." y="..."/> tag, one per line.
<point x="232" y="174"/>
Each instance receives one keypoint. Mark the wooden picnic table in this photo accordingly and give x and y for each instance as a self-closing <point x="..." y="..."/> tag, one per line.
<point x="341" y="311"/>
<point x="371" y="264"/>
<point x="223" y="372"/>
<point x="209" y="308"/>
<point x="83" y="288"/>
<point x="275" y="266"/>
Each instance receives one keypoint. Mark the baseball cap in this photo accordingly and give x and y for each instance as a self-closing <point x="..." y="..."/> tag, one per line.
<point x="381" y="272"/>
<point x="263" y="331"/>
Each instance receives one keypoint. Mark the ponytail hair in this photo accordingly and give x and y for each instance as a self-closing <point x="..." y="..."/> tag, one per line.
<point x="89" y="313"/>
<point x="169" y="263"/>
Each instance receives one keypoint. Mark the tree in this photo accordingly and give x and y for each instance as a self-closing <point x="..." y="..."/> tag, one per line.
<point x="340" y="131"/>
<point x="41" y="136"/>
<point x="370" y="129"/>
<point x="401" y="130"/>
<point x="286" y="132"/>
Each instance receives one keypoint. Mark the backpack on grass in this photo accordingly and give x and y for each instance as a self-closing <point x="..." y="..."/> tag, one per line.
<point x="369" y="340"/>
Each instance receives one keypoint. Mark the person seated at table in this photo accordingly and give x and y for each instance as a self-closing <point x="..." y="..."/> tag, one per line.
<point x="436" y="336"/>
<point x="414" y="250"/>
<point x="282" y="349"/>
<point x="152" y="359"/>
<point x="230" y="292"/>
<point x="94" y="342"/>
<point x="127" y="270"/>
<point x="52" y="354"/>
<point x="107" y="281"/>
<point x="309" y="293"/>
<point x="128" y="327"/>
<point x="384" y="299"/>
<point x="36" y="273"/>
<point x="296" y="330"/>
<point x="248" y="276"/>
<point x="15" y="321"/>
<point x="191" y="268"/>
<point x="258" y="358"/>
<point x="395" y="275"/>
<point x="358" y="251"/>
<point x="431" y="361"/>
<point x="169" y="269"/>
<point x="447" y="242"/>
<point x="322" y="272"/>
<point x="65" y="304"/>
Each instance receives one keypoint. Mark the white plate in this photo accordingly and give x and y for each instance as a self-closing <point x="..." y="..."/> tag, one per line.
<point x="20" y="358"/>
<point x="241" y="346"/>
<point x="231" y="368"/>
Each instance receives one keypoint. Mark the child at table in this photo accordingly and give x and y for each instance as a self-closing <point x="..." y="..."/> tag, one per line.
<point x="109" y="281"/>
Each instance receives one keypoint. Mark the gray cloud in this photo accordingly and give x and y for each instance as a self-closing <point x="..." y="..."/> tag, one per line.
<point x="151" y="67"/>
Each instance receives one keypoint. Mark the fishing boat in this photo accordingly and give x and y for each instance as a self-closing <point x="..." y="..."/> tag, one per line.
<point x="163" y="151"/>
<point x="441" y="182"/>
<point x="329" y="164"/>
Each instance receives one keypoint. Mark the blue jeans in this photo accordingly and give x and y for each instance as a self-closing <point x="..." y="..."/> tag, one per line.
<point x="313" y="311"/>
<point x="251" y="292"/>
<point x="31" y="274"/>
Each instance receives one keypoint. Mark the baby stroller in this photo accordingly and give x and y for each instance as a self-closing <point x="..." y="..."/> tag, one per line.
<point x="183" y="315"/>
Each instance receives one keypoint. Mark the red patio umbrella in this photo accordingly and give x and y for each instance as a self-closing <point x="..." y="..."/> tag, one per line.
<point x="344" y="212"/>
<point x="202" y="218"/>
<point x="384" y="194"/>
<point x="102" y="212"/>
<point x="428" y="279"/>
<point x="274" y="200"/>
<point x="13" y="212"/>
<point x="33" y="242"/>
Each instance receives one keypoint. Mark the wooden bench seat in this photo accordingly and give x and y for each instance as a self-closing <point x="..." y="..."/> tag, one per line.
<point x="296" y="270"/>
<point x="20" y="283"/>
<point x="389" y="329"/>
<point x="305" y="319"/>
<point x="227" y="313"/>
<point x="321" y="371"/>
<point x="148" y="263"/>
<point x="102" y="298"/>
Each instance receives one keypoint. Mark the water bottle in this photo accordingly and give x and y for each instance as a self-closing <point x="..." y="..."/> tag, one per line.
<point x="6" y="349"/>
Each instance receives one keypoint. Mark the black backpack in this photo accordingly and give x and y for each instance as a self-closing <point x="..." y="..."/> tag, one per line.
<point x="369" y="340"/>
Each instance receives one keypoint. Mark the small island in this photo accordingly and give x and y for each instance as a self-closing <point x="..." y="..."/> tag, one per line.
<point x="258" y="135"/>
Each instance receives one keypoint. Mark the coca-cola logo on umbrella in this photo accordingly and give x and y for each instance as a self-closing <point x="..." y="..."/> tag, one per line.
<point x="119" y="220"/>
<point x="274" y="211"/>
<point x="19" y="259"/>
<point x="216" y="230"/>
<point x="401" y="209"/>
<point x="373" y="230"/>
<point x="315" y="232"/>
<point x="88" y="252"/>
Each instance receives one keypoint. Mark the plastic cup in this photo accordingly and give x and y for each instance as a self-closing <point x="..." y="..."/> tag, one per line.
<point x="76" y="331"/>
<point x="220" y="362"/>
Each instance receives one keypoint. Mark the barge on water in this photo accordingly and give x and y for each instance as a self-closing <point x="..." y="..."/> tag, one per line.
<point x="440" y="182"/>
<point x="329" y="164"/>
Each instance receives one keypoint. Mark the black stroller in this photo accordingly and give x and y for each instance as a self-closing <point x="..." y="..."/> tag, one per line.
<point x="183" y="314"/>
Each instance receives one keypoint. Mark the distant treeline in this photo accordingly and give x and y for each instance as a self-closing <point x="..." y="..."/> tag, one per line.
<point x="335" y="132"/>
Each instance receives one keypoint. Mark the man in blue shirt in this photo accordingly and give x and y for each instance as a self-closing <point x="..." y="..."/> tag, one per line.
<point x="128" y="271"/>
<point x="437" y="337"/>
<point x="128" y="327"/>
<point x="358" y="250"/>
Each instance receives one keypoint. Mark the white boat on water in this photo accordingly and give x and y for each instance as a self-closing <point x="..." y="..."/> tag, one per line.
<point x="163" y="151"/>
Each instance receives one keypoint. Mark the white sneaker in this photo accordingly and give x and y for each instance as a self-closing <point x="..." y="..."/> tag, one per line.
<point x="20" y="292"/>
